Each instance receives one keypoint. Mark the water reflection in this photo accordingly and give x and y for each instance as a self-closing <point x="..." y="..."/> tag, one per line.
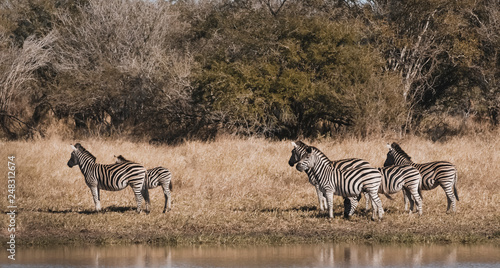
<point x="264" y="256"/>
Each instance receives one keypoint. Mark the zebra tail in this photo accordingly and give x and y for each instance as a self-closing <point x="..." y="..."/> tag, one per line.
<point x="455" y="191"/>
<point x="170" y="186"/>
<point x="145" y="190"/>
<point x="388" y="196"/>
<point x="420" y="193"/>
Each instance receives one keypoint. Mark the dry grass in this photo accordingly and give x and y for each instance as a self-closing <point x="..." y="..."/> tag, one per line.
<point x="234" y="191"/>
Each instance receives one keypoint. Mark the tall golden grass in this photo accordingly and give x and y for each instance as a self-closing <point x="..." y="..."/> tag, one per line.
<point x="242" y="191"/>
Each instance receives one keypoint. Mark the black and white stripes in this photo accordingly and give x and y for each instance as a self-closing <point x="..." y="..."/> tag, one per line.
<point x="299" y="151"/>
<point x="347" y="183"/>
<point x="114" y="177"/>
<point x="438" y="173"/>
<point x="155" y="177"/>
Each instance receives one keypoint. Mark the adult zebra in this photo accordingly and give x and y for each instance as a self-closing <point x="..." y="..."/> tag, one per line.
<point x="112" y="177"/>
<point x="299" y="150"/>
<point x="433" y="174"/>
<point x="156" y="176"/>
<point x="397" y="178"/>
<point x="347" y="183"/>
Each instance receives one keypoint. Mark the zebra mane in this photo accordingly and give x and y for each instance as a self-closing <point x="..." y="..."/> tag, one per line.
<point x="84" y="151"/>
<point x="121" y="159"/>
<point x="320" y="153"/>
<point x="400" y="151"/>
<point x="301" y="144"/>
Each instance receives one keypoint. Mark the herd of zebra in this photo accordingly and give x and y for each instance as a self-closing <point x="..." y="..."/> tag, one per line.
<point x="118" y="176"/>
<point x="351" y="177"/>
<point x="348" y="178"/>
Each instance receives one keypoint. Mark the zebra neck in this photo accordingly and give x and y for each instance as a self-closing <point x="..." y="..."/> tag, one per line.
<point x="321" y="168"/>
<point x="404" y="161"/>
<point x="311" y="176"/>
<point x="86" y="165"/>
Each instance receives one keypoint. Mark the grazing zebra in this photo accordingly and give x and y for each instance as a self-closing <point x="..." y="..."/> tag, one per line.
<point x="433" y="174"/>
<point x="157" y="176"/>
<point x="299" y="150"/>
<point x="397" y="178"/>
<point x="114" y="177"/>
<point x="347" y="183"/>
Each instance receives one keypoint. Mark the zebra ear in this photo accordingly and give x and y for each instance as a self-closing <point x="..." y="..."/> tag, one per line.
<point x="309" y="149"/>
<point x="294" y="145"/>
<point x="389" y="146"/>
<point x="73" y="147"/>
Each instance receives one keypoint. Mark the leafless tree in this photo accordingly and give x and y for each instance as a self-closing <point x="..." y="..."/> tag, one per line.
<point x="137" y="40"/>
<point x="17" y="74"/>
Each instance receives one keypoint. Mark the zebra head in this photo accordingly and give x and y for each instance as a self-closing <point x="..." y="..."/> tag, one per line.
<point x="396" y="156"/>
<point x="79" y="154"/>
<point x="73" y="161"/>
<point x="120" y="159"/>
<point x="307" y="161"/>
<point x="299" y="150"/>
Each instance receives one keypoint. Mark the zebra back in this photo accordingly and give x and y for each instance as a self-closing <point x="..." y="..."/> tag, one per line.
<point x="394" y="178"/>
<point x="159" y="176"/>
<point x="112" y="177"/>
<point x="300" y="150"/>
<point x="347" y="183"/>
<point x="155" y="176"/>
<point x="431" y="172"/>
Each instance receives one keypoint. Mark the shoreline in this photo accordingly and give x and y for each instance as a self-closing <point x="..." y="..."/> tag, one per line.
<point x="327" y="231"/>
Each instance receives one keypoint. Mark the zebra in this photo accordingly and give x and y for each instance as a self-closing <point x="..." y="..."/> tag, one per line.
<point x="156" y="176"/>
<point x="347" y="183"/>
<point x="114" y="177"/>
<point x="438" y="173"/>
<point x="397" y="178"/>
<point x="299" y="150"/>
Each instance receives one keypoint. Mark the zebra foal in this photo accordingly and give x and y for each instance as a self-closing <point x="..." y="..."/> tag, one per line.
<point x="156" y="176"/>
<point x="347" y="183"/>
<point x="114" y="177"/>
<point x="438" y="173"/>
<point x="299" y="151"/>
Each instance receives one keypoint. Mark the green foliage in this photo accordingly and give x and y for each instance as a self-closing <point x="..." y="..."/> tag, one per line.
<point x="171" y="70"/>
<point x="302" y="72"/>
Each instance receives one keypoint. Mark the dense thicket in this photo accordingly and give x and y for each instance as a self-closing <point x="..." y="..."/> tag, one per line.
<point x="169" y="70"/>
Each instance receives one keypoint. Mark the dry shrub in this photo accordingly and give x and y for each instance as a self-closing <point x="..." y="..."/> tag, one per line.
<point x="441" y="127"/>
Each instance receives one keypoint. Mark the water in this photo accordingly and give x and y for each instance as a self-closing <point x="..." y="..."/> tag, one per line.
<point x="262" y="256"/>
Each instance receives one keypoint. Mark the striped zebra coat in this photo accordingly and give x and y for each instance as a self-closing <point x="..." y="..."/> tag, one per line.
<point x="395" y="179"/>
<point x="299" y="150"/>
<point x="155" y="177"/>
<point x="405" y="178"/>
<point x="438" y="173"/>
<point x="114" y="177"/>
<point x="346" y="183"/>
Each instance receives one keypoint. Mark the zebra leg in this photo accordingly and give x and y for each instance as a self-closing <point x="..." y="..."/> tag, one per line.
<point x="416" y="196"/>
<point x="408" y="199"/>
<point x="168" y="199"/>
<point x="329" y="200"/>
<point x="145" y="194"/>
<point x="95" y="193"/>
<point x="450" y="197"/>
<point x="367" y="198"/>
<point x="321" y="199"/>
<point x="377" y="205"/>
<point x="350" y="204"/>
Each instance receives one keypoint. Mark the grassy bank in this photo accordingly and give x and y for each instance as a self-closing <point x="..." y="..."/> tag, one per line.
<point x="234" y="191"/>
